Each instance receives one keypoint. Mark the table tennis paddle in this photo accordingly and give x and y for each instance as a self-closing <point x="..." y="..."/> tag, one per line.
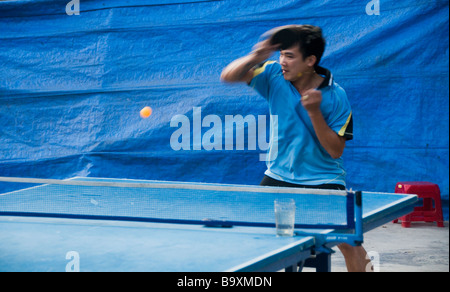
<point x="284" y="35"/>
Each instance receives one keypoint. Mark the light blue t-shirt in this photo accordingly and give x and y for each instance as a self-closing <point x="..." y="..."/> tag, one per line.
<point x="295" y="153"/>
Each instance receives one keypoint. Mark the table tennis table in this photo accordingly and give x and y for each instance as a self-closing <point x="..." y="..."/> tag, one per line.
<point x="49" y="243"/>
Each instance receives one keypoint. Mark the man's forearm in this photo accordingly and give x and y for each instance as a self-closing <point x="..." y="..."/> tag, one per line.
<point x="237" y="70"/>
<point x="241" y="70"/>
<point x="330" y="141"/>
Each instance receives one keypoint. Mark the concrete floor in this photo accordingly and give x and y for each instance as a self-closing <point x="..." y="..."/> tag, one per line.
<point x="422" y="248"/>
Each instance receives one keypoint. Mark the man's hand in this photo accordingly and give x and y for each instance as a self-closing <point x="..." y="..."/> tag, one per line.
<point x="263" y="51"/>
<point x="311" y="100"/>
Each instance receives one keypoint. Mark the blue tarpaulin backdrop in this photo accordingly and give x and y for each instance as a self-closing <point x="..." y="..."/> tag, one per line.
<point x="72" y="86"/>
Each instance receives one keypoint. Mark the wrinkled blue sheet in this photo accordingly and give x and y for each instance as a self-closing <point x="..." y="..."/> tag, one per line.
<point x="71" y="87"/>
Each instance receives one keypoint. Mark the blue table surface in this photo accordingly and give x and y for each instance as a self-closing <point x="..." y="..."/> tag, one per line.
<point x="41" y="244"/>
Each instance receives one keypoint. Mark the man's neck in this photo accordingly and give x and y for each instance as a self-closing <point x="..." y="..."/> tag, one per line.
<point x="307" y="81"/>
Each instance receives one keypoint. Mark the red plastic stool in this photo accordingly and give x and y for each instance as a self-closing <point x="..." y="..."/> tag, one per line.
<point x="427" y="192"/>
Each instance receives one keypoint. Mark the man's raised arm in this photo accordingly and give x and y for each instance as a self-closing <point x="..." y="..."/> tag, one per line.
<point x="241" y="70"/>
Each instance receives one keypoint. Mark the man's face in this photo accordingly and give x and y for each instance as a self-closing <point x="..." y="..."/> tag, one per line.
<point x="293" y="64"/>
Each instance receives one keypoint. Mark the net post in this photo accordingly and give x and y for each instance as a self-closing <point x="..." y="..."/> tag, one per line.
<point x="350" y="208"/>
<point x="358" y="218"/>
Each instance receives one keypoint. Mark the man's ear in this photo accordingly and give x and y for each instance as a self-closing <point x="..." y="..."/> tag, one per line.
<point x="311" y="60"/>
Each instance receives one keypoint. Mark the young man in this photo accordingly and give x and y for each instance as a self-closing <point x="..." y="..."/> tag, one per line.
<point x="314" y="114"/>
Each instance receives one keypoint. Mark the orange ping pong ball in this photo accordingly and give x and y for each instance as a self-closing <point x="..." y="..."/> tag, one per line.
<point x="146" y="112"/>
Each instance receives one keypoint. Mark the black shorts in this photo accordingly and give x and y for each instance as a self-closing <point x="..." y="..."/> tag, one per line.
<point x="268" y="181"/>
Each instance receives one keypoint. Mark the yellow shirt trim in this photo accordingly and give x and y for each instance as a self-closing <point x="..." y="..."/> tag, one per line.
<point x="342" y="131"/>
<point x="261" y="69"/>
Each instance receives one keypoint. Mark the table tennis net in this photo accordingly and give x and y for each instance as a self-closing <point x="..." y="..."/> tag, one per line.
<point x="168" y="202"/>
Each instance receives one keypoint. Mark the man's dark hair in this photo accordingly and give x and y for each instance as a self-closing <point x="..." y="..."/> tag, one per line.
<point x="308" y="37"/>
